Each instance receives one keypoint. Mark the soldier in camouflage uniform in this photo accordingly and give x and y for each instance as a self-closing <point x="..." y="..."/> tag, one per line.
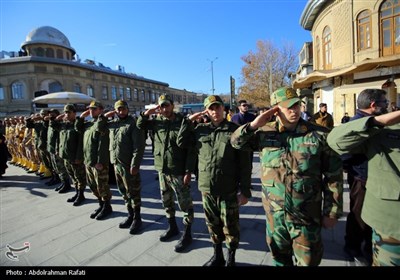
<point x="302" y="179"/>
<point x="377" y="137"/>
<point x="127" y="145"/>
<point x="70" y="149"/>
<point x="57" y="162"/>
<point x="224" y="176"/>
<point x="96" y="156"/>
<point x="173" y="166"/>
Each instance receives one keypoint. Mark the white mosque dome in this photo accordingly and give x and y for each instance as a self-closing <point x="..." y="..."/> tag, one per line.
<point x="47" y="35"/>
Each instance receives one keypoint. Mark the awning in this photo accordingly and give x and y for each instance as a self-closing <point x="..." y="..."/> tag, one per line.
<point x="357" y="88"/>
<point x="365" y="65"/>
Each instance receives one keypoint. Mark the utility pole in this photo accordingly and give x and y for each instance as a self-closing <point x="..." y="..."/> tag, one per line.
<point x="212" y="74"/>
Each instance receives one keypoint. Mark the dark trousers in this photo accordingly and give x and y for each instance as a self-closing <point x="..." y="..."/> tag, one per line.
<point x="357" y="231"/>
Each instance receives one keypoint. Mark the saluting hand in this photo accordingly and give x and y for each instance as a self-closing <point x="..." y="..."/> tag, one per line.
<point x="110" y="114"/>
<point x="152" y="111"/>
<point x="263" y="118"/>
<point x="197" y="116"/>
<point x="85" y="113"/>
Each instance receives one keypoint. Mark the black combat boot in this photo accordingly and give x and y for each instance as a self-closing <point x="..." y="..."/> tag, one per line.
<point x="105" y="211"/>
<point x="80" y="198"/>
<point x="137" y="221"/>
<point x="66" y="187"/>
<point x="60" y="187"/>
<point x="72" y="199"/>
<point x="230" y="261"/>
<point x="50" y="183"/>
<point x="171" y="231"/>
<point x="185" y="239"/>
<point x="128" y="221"/>
<point x="97" y="211"/>
<point x="54" y="181"/>
<point x="218" y="258"/>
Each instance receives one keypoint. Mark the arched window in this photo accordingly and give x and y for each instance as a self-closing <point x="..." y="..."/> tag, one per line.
<point x="135" y="94"/>
<point x="1" y="92"/>
<point x="89" y="91"/>
<point x="113" y="92"/>
<point x="364" y="30"/>
<point x="317" y="63"/>
<point x="49" y="52"/>
<point x="121" y="93"/>
<point x="104" y="92"/>
<point x="77" y="88"/>
<point x="60" y="54"/>
<point x="128" y="94"/>
<point x="390" y="27"/>
<point x="39" y="52"/>
<point x="17" y="91"/>
<point x="327" y="48"/>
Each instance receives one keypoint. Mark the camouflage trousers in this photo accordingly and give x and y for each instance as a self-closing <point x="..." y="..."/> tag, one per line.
<point x="128" y="185"/>
<point x="222" y="219"/>
<point x="286" y="239"/>
<point x="58" y="167"/>
<point x="45" y="159"/>
<point x="170" y="185"/>
<point x="77" y="173"/>
<point x="97" y="181"/>
<point x="386" y="249"/>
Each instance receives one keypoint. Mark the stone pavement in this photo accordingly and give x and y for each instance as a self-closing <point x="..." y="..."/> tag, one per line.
<point x="60" y="234"/>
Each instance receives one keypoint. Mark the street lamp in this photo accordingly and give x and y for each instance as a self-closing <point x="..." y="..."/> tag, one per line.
<point x="212" y="73"/>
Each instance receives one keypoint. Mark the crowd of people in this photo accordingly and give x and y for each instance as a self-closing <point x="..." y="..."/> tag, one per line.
<point x="303" y="159"/>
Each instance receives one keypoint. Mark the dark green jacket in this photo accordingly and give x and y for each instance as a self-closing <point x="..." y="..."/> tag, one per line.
<point x="71" y="141"/>
<point x="127" y="142"/>
<point x="168" y="157"/>
<point x="95" y="140"/>
<point x="52" y="139"/>
<point x="381" y="208"/>
<point x="223" y="170"/>
<point x="40" y="133"/>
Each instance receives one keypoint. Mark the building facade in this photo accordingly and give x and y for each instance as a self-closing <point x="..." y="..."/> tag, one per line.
<point x="355" y="45"/>
<point x="47" y="63"/>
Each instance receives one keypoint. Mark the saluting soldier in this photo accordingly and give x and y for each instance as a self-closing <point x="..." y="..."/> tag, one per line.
<point x="224" y="176"/>
<point x="127" y="144"/>
<point x="173" y="166"/>
<point x="301" y="176"/>
<point x="70" y="150"/>
<point x="96" y="157"/>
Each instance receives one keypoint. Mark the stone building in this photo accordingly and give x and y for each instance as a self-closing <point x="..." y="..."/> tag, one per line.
<point x="48" y="63"/>
<point x="355" y="45"/>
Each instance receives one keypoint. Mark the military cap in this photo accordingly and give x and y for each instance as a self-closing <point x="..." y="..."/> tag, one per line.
<point x="165" y="98"/>
<point x="69" y="108"/>
<point x="212" y="99"/>
<point x="120" y="103"/>
<point x="44" y="111"/>
<point x="285" y="97"/>
<point x="55" y="111"/>
<point x="95" y="104"/>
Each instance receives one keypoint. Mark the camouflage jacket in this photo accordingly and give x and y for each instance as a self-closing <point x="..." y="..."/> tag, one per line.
<point x="168" y="157"/>
<point x="223" y="170"/>
<point x="127" y="142"/>
<point x="300" y="173"/>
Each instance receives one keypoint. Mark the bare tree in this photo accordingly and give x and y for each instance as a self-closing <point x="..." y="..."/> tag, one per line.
<point x="265" y="71"/>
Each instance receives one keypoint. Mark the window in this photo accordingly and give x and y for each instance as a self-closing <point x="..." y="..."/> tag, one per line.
<point x="327" y="48"/>
<point x="104" y="92"/>
<point x="49" y="52"/>
<point x="317" y="54"/>
<point x="89" y="90"/>
<point x="77" y="88"/>
<point x="364" y="30"/>
<point x="113" y="92"/>
<point x="60" y="54"/>
<point x="17" y="90"/>
<point x="143" y="95"/>
<point x="390" y="27"/>
<point x="128" y="94"/>
<point x="135" y="94"/>
<point x="1" y="92"/>
<point x="121" y="93"/>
